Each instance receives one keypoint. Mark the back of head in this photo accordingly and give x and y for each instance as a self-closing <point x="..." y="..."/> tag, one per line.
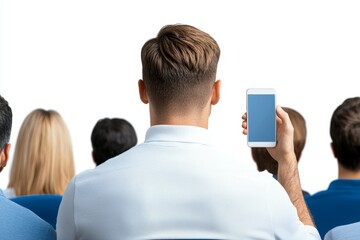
<point x="111" y="137"/>
<point x="345" y="133"/>
<point x="262" y="157"/>
<point x="179" y="68"/>
<point x="5" y="124"/>
<point x="43" y="160"/>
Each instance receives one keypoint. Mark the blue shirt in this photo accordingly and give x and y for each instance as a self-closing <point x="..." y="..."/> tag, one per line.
<point x="344" y="232"/>
<point x="177" y="185"/>
<point x="19" y="223"/>
<point x="338" y="205"/>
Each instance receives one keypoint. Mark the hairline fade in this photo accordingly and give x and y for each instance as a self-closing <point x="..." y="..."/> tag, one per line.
<point x="179" y="67"/>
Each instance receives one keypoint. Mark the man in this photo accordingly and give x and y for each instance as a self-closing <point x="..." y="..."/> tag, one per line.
<point x="339" y="204"/>
<point x="16" y="222"/>
<point x="176" y="184"/>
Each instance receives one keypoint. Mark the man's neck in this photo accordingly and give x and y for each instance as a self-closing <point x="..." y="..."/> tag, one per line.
<point x="180" y="120"/>
<point x="191" y="118"/>
<point x="348" y="174"/>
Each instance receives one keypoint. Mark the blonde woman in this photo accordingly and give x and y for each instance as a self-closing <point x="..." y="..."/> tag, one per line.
<point x="43" y="160"/>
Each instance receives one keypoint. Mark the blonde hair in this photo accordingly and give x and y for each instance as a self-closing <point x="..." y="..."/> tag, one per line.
<point x="43" y="160"/>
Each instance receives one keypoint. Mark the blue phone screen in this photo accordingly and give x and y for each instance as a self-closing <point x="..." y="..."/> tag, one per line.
<point x="261" y="118"/>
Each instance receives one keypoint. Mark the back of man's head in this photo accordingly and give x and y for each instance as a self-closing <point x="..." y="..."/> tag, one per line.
<point x="5" y="124"/>
<point x="345" y="133"/>
<point x="179" y="68"/>
<point x="261" y="156"/>
<point x="111" y="137"/>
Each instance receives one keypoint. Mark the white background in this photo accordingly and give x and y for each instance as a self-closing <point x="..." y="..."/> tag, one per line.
<point x="82" y="58"/>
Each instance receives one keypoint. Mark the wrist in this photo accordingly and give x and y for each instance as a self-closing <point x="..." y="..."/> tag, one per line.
<point x="287" y="158"/>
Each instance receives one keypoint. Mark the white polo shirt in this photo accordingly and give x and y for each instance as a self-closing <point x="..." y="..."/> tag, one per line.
<point x="177" y="185"/>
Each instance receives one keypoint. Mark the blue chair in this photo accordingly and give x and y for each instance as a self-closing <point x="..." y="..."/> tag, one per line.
<point x="45" y="206"/>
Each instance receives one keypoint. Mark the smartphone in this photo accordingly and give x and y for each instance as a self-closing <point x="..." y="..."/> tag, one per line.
<point x="261" y="117"/>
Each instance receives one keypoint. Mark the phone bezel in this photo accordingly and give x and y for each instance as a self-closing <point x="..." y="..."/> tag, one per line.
<point x="270" y="91"/>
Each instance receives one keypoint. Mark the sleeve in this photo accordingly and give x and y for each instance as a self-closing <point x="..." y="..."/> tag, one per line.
<point x="51" y="234"/>
<point x="284" y="216"/>
<point x="344" y="232"/>
<point x="65" y="226"/>
<point x="329" y="235"/>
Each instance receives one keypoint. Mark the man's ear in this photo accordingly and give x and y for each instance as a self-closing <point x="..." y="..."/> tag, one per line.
<point x="4" y="156"/>
<point x="142" y="92"/>
<point x="215" y="93"/>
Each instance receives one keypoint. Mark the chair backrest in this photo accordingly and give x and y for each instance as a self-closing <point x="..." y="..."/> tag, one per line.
<point x="45" y="206"/>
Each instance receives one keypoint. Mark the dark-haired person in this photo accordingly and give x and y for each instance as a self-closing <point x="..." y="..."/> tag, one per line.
<point x="177" y="185"/>
<point x="17" y="222"/>
<point x="263" y="159"/>
<point x="111" y="137"/>
<point x="339" y="204"/>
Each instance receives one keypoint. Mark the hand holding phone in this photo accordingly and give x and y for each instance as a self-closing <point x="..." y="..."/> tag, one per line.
<point x="261" y="117"/>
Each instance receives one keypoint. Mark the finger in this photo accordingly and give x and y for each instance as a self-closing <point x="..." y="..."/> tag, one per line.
<point x="283" y="115"/>
<point x="244" y="116"/>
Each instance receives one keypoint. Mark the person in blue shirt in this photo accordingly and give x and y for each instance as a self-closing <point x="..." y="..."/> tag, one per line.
<point x="339" y="204"/>
<point x="17" y="222"/>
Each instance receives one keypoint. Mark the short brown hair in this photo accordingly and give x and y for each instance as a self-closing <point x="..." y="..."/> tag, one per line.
<point x="345" y="133"/>
<point x="261" y="156"/>
<point x="179" y="67"/>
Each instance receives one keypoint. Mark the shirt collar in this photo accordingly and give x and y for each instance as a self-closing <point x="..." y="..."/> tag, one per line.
<point x="177" y="133"/>
<point x="345" y="183"/>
